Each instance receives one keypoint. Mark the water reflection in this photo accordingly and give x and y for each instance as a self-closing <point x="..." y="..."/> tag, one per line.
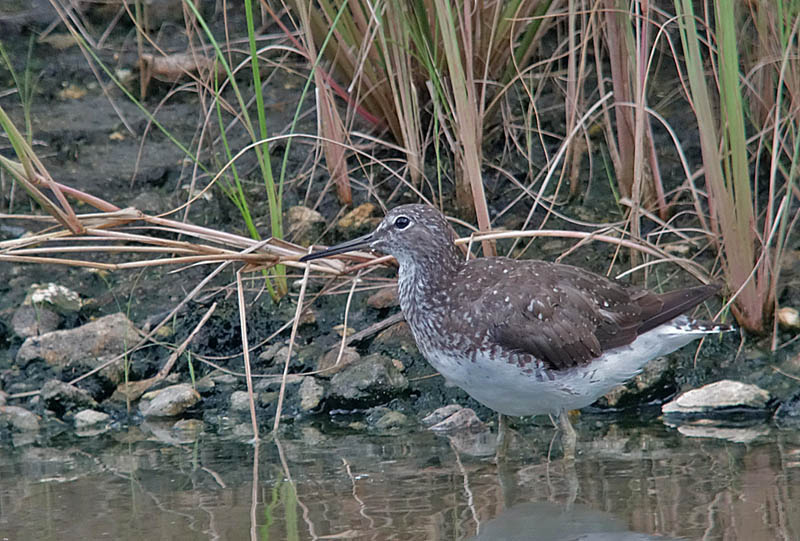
<point x="319" y="482"/>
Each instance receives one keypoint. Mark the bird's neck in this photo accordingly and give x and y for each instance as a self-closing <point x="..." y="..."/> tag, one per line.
<point x="423" y="277"/>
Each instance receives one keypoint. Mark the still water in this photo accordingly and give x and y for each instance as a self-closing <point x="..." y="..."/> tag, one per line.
<point x="323" y="482"/>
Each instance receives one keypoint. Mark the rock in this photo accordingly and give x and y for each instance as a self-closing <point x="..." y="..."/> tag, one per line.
<point x="396" y="337"/>
<point x="731" y="434"/>
<point x="644" y="387"/>
<point x="204" y="385"/>
<point x="440" y="414"/>
<point x="788" y="318"/>
<point x="188" y="429"/>
<point x="463" y="419"/>
<point x="327" y="363"/>
<point x="391" y="420"/>
<point x="311" y="393"/>
<point x="240" y="401"/>
<point x="19" y="419"/>
<point x="273" y="353"/>
<point x="62" y="397"/>
<point x="788" y="413"/>
<point x="91" y="344"/>
<point x="34" y="321"/>
<point x="373" y="378"/>
<point x="3" y="398"/>
<point x="57" y="298"/>
<point x="384" y="298"/>
<point x="149" y="202"/>
<point x="218" y="377"/>
<point x="304" y="225"/>
<point x="169" y="401"/>
<point x="358" y="221"/>
<point x="87" y="418"/>
<point x="717" y="396"/>
<point x="273" y="383"/>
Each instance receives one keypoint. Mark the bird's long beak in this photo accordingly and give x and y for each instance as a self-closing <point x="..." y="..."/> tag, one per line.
<point x="348" y="246"/>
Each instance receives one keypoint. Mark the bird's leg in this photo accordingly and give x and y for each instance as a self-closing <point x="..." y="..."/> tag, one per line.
<point x="502" y="437"/>
<point x="569" y="438"/>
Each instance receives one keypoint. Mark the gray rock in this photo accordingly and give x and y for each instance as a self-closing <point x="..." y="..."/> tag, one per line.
<point x="240" y="401"/>
<point x="327" y="365"/>
<point x="56" y="297"/>
<point x="169" y="402"/>
<point x="733" y="435"/>
<point x="311" y="393"/>
<point x="786" y="416"/>
<point x="91" y="344"/>
<point x="33" y="321"/>
<point x="19" y="418"/>
<point x="715" y="396"/>
<point x="273" y="383"/>
<point x="391" y="420"/>
<point x="62" y="397"/>
<point x="372" y="378"/>
<point x="440" y="414"/>
<point x="269" y="354"/>
<point x="463" y="419"/>
<point x="396" y="337"/>
<point x="3" y="398"/>
<point x="651" y="376"/>
<point x="87" y="418"/>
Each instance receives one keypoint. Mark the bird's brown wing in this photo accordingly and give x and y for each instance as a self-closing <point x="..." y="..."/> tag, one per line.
<point x="573" y="316"/>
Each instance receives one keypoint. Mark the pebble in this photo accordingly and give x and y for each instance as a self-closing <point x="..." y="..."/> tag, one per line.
<point x="89" y="417"/>
<point x="327" y="365"/>
<point x="19" y="418"/>
<point x="373" y="377"/>
<point x="311" y="393"/>
<point x="62" y="397"/>
<point x="240" y="401"/>
<point x="716" y="396"/>
<point x="169" y="402"/>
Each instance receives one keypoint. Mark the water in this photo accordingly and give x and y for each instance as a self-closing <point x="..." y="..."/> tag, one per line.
<point x="323" y="482"/>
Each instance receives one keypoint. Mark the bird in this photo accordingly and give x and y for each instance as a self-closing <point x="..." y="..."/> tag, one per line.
<point x="525" y="337"/>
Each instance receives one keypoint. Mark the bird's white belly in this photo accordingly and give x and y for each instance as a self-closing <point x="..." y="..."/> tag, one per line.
<point x="508" y="389"/>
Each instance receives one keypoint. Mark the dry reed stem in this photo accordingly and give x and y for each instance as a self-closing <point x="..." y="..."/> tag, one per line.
<point x="246" y="352"/>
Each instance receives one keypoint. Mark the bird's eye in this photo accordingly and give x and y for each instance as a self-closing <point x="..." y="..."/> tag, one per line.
<point x="401" y="222"/>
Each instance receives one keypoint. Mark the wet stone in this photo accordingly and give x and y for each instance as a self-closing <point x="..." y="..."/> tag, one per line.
<point x="327" y="365"/>
<point x="396" y="337"/>
<point x="91" y="344"/>
<point x="373" y="378"/>
<point x="62" y="397"/>
<point x="311" y="393"/>
<point x="90" y="418"/>
<point x="19" y="419"/>
<point x="32" y="321"/>
<point x="391" y="420"/>
<point x="463" y="419"/>
<point x="440" y="414"/>
<point x="169" y="402"/>
<point x="788" y="413"/>
<point x="718" y="396"/>
<point x="240" y="401"/>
